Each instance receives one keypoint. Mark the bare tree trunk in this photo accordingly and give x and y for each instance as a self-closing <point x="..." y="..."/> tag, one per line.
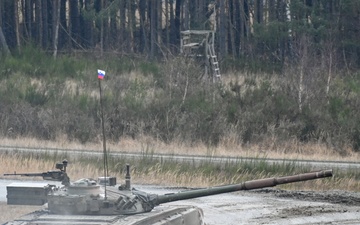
<point x="105" y="24"/>
<point x="177" y="21"/>
<point x="3" y="44"/>
<point x="231" y="20"/>
<point x="38" y="17"/>
<point x="45" y="19"/>
<point x="258" y="11"/>
<point x="289" y="39"/>
<point x="193" y="12"/>
<point x="122" y="23"/>
<point x="130" y="24"/>
<point x="113" y="31"/>
<point x="186" y="20"/>
<point x="87" y="26"/>
<point x="272" y="10"/>
<point x="303" y="54"/>
<point x="153" y="29"/>
<point x="202" y="14"/>
<point x="74" y="22"/>
<point x="242" y="27"/>
<point x="301" y="88"/>
<point x="28" y="18"/>
<point x="159" y="24"/>
<point x="63" y="36"/>
<point x="222" y="29"/>
<point x="56" y="22"/>
<point x="143" y="33"/>
<point x="167" y="23"/>
<point x="172" y="23"/>
<point x="102" y="31"/>
<point x="17" y="32"/>
<point x="1" y="12"/>
<point x="329" y="74"/>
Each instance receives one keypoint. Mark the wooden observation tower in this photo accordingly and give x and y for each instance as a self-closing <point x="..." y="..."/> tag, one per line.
<point x="199" y="44"/>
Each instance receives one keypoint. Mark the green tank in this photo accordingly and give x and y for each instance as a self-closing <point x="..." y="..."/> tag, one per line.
<point x="101" y="200"/>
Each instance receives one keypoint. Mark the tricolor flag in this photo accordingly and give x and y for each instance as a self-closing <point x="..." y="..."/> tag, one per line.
<point x="101" y="74"/>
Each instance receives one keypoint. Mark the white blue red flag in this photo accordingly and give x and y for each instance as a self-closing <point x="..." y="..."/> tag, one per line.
<point x="101" y="74"/>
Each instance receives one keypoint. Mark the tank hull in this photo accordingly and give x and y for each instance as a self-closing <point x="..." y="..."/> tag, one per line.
<point x="170" y="215"/>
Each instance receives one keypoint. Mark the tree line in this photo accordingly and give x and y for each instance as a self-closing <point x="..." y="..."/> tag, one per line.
<point x="273" y="31"/>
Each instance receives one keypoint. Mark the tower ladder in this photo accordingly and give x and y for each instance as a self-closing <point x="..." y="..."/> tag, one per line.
<point x="214" y="63"/>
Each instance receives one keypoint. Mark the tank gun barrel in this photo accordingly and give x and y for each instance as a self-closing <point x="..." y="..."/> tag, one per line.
<point x="247" y="185"/>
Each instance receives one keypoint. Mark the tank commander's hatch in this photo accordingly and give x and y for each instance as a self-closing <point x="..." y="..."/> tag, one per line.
<point x="200" y="45"/>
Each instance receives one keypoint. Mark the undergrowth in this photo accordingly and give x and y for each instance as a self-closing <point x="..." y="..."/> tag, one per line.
<point x="173" y="101"/>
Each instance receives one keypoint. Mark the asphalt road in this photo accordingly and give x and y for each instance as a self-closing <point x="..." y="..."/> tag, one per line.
<point x="313" y="164"/>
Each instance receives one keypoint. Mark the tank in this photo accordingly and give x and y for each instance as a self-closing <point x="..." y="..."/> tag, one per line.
<point x="111" y="203"/>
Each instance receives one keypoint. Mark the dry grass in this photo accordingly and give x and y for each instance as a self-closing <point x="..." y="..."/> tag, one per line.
<point x="292" y="149"/>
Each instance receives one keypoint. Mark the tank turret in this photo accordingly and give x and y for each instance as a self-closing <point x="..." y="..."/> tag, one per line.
<point x="88" y="197"/>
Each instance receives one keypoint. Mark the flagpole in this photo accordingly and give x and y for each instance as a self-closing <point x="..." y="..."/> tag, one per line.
<point x="104" y="138"/>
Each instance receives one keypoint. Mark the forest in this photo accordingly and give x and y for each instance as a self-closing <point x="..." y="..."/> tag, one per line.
<point x="273" y="31"/>
<point x="290" y="70"/>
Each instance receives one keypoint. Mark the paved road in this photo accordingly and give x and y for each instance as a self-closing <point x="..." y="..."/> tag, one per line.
<point x="313" y="164"/>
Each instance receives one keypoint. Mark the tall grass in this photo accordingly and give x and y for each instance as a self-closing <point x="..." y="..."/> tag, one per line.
<point x="147" y="146"/>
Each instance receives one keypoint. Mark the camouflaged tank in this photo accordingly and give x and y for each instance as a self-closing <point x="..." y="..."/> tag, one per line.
<point x="89" y="201"/>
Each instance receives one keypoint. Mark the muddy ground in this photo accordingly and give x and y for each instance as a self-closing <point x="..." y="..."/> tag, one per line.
<point x="308" y="207"/>
<point x="265" y="206"/>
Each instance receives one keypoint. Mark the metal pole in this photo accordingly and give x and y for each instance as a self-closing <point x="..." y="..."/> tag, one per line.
<point x="104" y="139"/>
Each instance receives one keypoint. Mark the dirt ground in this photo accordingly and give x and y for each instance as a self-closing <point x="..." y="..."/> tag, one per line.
<point x="277" y="207"/>
<point x="308" y="207"/>
<point x="265" y="206"/>
<point x="10" y="212"/>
